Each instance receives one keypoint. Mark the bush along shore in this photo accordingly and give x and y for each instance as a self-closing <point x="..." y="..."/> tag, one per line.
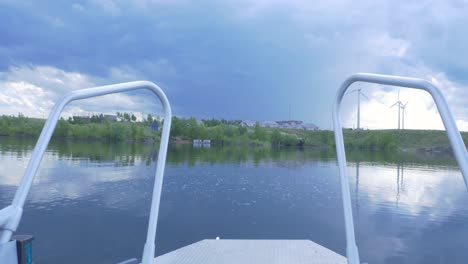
<point x="95" y="127"/>
<point x="226" y="132"/>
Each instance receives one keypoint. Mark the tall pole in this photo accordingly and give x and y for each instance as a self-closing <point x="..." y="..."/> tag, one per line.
<point x="399" y="106"/>
<point x="398" y="117"/>
<point x="403" y="119"/>
<point x="358" y="108"/>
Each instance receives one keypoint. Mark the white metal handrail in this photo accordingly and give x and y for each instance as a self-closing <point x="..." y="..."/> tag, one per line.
<point x="453" y="133"/>
<point x="10" y="216"/>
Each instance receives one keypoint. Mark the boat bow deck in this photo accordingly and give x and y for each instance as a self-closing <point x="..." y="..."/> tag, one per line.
<point x="233" y="251"/>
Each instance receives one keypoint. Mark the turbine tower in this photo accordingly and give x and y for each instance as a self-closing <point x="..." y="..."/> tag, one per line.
<point x="359" y="93"/>
<point x="399" y="104"/>
<point x="403" y="109"/>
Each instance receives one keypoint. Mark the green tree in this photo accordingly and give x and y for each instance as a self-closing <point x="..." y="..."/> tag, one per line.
<point x="149" y="119"/>
<point x="62" y="128"/>
<point x="275" y="137"/>
<point x="126" y="117"/>
<point x="259" y="132"/>
<point x="217" y="133"/>
<point x="229" y="131"/>
<point x="134" y="131"/>
<point x="242" y="130"/>
<point x="192" y="127"/>
<point x="326" y="137"/>
<point x="178" y="127"/>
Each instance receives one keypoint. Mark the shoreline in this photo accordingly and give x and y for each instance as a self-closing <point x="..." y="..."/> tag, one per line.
<point x="443" y="149"/>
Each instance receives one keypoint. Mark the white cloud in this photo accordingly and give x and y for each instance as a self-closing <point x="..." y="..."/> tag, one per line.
<point x="34" y="90"/>
<point x="462" y="125"/>
<point x="338" y="38"/>
<point x="377" y="113"/>
<point x="412" y="39"/>
<point x="22" y="97"/>
<point x="56" y="80"/>
<point x="413" y="190"/>
<point x="388" y="46"/>
<point x="421" y="110"/>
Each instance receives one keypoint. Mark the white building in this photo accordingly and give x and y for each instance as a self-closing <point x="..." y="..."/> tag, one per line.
<point x="270" y="124"/>
<point x="288" y="124"/>
<point x="291" y="124"/>
<point x="248" y="123"/>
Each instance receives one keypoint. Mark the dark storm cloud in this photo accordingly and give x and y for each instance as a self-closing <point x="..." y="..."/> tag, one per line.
<point x="233" y="59"/>
<point x="204" y="53"/>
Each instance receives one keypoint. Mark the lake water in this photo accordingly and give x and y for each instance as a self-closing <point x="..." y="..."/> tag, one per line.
<point x="90" y="200"/>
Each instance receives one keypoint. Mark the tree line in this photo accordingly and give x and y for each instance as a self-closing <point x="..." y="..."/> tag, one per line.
<point x="93" y="127"/>
<point x="186" y="129"/>
<point x="119" y="117"/>
<point x="231" y="132"/>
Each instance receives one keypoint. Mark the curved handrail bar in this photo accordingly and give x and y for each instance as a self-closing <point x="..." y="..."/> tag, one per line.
<point x="453" y="133"/>
<point x="11" y="215"/>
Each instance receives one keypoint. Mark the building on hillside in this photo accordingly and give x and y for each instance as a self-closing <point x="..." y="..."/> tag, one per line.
<point x="288" y="124"/>
<point x="291" y="124"/>
<point x="248" y="123"/>
<point x="271" y="124"/>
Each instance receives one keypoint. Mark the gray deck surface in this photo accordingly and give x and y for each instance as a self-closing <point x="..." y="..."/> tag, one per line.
<point x="210" y="251"/>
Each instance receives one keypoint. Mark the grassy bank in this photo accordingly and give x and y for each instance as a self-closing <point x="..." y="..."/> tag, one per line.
<point x="231" y="133"/>
<point x="405" y="140"/>
<point x="225" y="132"/>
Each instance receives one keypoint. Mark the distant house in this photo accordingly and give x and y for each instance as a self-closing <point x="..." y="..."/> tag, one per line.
<point x="270" y="124"/>
<point x="288" y="124"/>
<point x="291" y="124"/>
<point x="248" y="123"/>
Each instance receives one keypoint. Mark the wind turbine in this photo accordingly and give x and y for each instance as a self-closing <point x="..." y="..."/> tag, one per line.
<point x="403" y="109"/>
<point x="359" y="93"/>
<point x="399" y="105"/>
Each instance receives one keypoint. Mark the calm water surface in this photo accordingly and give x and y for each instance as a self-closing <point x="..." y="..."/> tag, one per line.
<point x="90" y="200"/>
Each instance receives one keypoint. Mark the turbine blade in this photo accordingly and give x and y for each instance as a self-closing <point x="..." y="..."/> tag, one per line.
<point x="393" y="105"/>
<point x="365" y="96"/>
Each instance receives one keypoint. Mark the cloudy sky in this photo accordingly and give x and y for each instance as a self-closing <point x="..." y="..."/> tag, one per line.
<point x="235" y="59"/>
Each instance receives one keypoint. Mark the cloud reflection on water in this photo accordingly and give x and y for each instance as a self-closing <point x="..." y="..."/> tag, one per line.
<point x="398" y="202"/>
